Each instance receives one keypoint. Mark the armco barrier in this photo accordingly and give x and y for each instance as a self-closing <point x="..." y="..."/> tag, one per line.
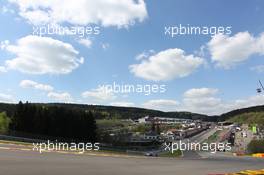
<point x="19" y="139"/>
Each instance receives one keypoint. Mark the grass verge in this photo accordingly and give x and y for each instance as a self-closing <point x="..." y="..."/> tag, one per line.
<point x="176" y="153"/>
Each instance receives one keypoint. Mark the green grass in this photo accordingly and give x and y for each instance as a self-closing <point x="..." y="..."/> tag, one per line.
<point x="176" y="153"/>
<point x="212" y="138"/>
<point x="141" y="128"/>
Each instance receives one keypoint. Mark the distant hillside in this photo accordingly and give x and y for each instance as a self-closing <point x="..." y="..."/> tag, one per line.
<point x="135" y="113"/>
<point x="243" y="113"/>
<point x="118" y="112"/>
<point x="249" y="118"/>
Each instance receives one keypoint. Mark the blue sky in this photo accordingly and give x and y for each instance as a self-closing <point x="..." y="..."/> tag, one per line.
<point x="221" y="77"/>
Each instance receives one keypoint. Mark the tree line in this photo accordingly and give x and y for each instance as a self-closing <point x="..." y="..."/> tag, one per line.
<point x="115" y="112"/>
<point x="54" y="121"/>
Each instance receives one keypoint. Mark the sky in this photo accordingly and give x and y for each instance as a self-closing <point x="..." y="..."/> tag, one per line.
<point x="143" y="44"/>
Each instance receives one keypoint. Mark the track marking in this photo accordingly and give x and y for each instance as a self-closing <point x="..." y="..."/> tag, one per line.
<point x="248" y="172"/>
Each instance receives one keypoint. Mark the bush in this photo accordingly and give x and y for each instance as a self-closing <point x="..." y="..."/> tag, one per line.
<point x="4" y="123"/>
<point x="256" y="146"/>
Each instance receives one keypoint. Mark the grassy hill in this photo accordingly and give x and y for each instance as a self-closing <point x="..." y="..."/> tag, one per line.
<point x="250" y="115"/>
<point x="249" y="118"/>
<point x="244" y="114"/>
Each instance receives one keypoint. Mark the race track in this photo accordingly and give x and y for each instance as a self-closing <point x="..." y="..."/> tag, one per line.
<point x="26" y="162"/>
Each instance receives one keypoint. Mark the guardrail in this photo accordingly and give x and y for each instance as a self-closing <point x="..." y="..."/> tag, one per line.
<point x="19" y="139"/>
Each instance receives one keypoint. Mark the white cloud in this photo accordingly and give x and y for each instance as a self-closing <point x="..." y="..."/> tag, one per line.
<point x="6" y="9"/>
<point x="166" y="65"/>
<point x="36" y="17"/>
<point x="228" y="51"/>
<point x="60" y="97"/>
<point x="43" y="55"/>
<point x="144" y="54"/>
<point x="259" y="68"/>
<point x="99" y="94"/>
<point x="200" y="92"/>
<point x="161" y="104"/>
<point x="202" y="100"/>
<point x="122" y="103"/>
<point x="205" y="105"/>
<point x="86" y="42"/>
<point x="250" y="101"/>
<point x="5" y="98"/>
<point x="35" y="85"/>
<point x="4" y="44"/>
<point x="205" y="101"/>
<point x="106" y="13"/>
<point x="64" y="97"/>
<point x="2" y="69"/>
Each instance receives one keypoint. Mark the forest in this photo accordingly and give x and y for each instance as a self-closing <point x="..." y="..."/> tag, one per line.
<point x="54" y="122"/>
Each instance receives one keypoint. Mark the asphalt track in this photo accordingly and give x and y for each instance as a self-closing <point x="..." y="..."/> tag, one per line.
<point x="22" y="161"/>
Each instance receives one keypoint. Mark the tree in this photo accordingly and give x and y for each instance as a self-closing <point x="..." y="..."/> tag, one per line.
<point x="4" y="123"/>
